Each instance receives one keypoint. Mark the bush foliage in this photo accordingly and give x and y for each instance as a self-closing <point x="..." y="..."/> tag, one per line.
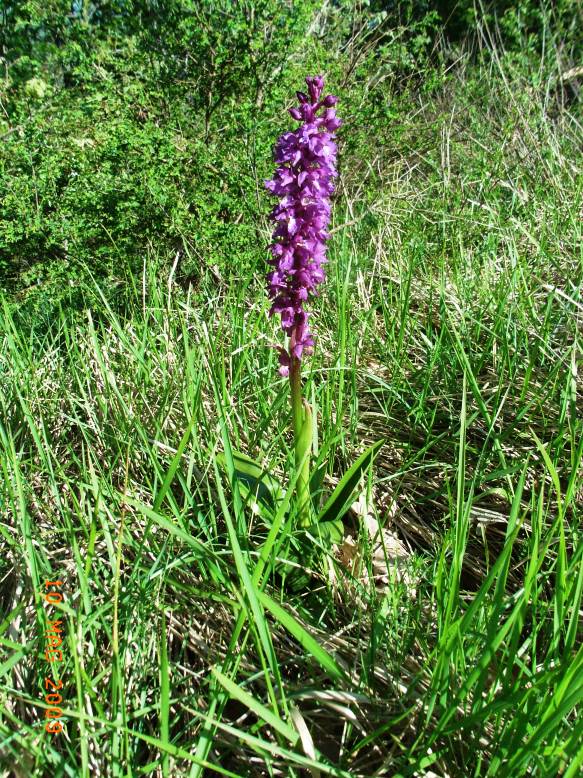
<point x="139" y="127"/>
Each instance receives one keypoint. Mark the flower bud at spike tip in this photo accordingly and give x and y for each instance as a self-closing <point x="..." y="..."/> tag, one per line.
<point x="303" y="182"/>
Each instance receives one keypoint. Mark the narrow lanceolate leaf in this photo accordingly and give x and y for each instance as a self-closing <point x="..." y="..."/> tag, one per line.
<point x="307" y="641"/>
<point x="303" y="450"/>
<point x="167" y="483"/>
<point x="247" y="585"/>
<point x="164" y="694"/>
<point x="237" y="693"/>
<point x="327" y="532"/>
<point x="338" y="502"/>
<point x="258" y="481"/>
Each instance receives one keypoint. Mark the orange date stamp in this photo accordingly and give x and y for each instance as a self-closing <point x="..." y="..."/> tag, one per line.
<point x="53" y="653"/>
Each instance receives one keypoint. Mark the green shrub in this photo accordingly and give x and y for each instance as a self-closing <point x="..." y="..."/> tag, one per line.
<point x="133" y="127"/>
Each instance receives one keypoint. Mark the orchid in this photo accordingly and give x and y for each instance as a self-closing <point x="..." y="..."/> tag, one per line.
<point x="303" y="182"/>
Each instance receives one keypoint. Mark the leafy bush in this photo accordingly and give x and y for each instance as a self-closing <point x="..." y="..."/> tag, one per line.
<point x="132" y="125"/>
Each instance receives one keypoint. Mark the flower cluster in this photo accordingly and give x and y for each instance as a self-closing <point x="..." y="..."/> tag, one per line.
<point x="306" y="161"/>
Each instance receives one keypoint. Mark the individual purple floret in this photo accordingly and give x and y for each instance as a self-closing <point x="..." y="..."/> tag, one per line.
<point x="306" y="165"/>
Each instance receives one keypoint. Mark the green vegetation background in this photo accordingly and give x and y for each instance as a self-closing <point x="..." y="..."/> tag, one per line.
<point x="138" y="131"/>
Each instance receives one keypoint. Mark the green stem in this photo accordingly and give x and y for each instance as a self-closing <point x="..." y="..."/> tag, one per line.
<point x="302" y="423"/>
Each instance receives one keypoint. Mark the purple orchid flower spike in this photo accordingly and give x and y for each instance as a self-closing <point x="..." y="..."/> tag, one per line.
<point x="303" y="181"/>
